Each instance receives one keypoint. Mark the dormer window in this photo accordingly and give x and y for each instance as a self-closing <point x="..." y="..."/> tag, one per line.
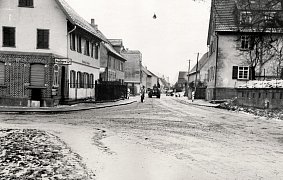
<point x="245" y="17"/>
<point x="25" y="3"/>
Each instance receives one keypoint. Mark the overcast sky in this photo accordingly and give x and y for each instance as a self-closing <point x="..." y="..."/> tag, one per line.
<point x="167" y="43"/>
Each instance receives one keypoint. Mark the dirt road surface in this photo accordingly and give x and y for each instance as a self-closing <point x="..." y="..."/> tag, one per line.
<point x="164" y="139"/>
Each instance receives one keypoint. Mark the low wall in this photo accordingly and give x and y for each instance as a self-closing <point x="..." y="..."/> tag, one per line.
<point x="260" y="97"/>
<point x="221" y="93"/>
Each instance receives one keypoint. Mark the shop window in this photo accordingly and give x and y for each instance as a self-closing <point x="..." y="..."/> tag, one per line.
<point x="79" y="79"/>
<point x="86" y="80"/>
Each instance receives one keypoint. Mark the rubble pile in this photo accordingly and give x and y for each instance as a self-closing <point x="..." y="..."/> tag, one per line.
<point x="262" y="84"/>
<point x="33" y="154"/>
<point x="269" y="113"/>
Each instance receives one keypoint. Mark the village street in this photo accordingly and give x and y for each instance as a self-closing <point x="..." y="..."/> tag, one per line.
<point x="165" y="139"/>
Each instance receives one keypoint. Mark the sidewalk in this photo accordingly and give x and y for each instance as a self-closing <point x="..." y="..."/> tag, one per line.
<point x="66" y="108"/>
<point x="197" y="102"/>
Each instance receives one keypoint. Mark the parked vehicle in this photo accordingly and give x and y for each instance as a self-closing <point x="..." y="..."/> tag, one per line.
<point x="169" y="93"/>
<point x="154" y="92"/>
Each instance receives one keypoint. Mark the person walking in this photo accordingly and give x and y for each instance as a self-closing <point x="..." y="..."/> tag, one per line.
<point x="142" y="93"/>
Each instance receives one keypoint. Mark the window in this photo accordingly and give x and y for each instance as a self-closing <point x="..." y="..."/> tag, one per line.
<point x="245" y="17"/>
<point x="92" y="50"/>
<point x="86" y="48"/>
<point x="72" y="79"/>
<point x="73" y="42"/>
<point x="96" y="51"/>
<point x="86" y="80"/>
<point x="245" y="42"/>
<point x="241" y="72"/>
<point x="91" y="81"/>
<point x="79" y="44"/>
<point x="56" y="76"/>
<point x="79" y="79"/>
<point x="2" y="73"/>
<point x="25" y="3"/>
<point x="9" y="36"/>
<point x="42" y="39"/>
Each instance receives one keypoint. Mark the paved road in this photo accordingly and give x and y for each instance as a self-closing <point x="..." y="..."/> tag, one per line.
<point x="164" y="139"/>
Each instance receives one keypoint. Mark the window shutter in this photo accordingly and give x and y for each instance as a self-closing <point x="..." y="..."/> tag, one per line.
<point x="251" y="73"/>
<point x="235" y="72"/>
<point x="37" y="75"/>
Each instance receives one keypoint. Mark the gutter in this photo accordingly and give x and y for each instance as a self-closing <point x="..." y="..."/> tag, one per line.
<point x="216" y="61"/>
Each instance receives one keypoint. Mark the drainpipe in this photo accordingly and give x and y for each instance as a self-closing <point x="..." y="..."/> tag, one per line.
<point x="216" y="61"/>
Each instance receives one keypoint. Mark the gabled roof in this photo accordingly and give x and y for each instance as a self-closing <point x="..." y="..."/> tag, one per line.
<point x="76" y="19"/>
<point x="146" y="71"/>
<point x="203" y="60"/>
<point x="113" y="51"/>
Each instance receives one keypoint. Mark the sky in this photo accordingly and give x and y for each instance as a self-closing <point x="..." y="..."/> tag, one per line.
<point x="167" y="43"/>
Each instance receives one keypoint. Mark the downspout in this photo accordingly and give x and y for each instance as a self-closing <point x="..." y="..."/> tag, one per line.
<point x="216" y="61"/>
<point x="76" y="93"/>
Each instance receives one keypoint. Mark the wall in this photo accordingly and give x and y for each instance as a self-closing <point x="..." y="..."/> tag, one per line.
<point x="132" y="67"/>
<point x="51" y="18"/>
<point x="261" y="98"/>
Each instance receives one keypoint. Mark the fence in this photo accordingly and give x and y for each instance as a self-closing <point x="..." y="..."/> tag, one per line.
<point x="268" y="98"/>
<point x="108" y="90"/>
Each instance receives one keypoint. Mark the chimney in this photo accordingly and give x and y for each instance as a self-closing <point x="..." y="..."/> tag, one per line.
<point x="92" y="23"/>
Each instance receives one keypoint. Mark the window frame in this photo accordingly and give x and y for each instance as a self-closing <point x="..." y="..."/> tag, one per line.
<point x="2" y="81"/>
<point x="245" y="42"/>
<point x="46" y="41"/>
<point x="73" y="41"/>
<point x="72" y="79"/>
<point x="246" y="18"/>
<point x="241" y="72"/>
<point x="4" y="41"/>
<point x="26" y="3"/>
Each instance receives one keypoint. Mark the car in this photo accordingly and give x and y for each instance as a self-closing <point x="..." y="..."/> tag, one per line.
<point x="154" y="92"/>
<point x="169" y="93"/>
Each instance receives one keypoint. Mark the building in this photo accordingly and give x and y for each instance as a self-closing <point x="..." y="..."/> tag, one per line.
<point x="182" y="81"/>
<point x="149" y="79"/>
<point x="48" y="53"/>
<point x="133" y="71"/>
<point x="112" y="64"/>
<point x="244" y="39"/>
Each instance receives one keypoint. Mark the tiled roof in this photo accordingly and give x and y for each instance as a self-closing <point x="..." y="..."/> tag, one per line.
<point x="113" y="51"/>
<point x="146" y="71"/>
<point x="76" y="19"/>
<point x="127" y="51"/>
<point x="225" y="16"/>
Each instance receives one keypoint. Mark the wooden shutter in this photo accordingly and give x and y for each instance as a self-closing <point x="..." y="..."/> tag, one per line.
<point x="235" y="72"/>
<point x="2" y="73"/>
<point x="251" y="73"/>
<point x="37" y="75"/>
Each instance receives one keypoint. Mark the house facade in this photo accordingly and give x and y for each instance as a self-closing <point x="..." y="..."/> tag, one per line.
<point x="48" y="53"/>
<point x="133" y="71"/>
<point x="149" y="79"/>
<point x="242" y="40"/>
<point x="112" y="64"/>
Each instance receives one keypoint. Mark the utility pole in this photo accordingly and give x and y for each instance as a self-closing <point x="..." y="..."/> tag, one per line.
<point x="188" y="78"/>
<point x="196" y="75"/>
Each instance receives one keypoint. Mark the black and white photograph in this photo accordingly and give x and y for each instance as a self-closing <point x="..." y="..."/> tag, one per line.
<point x="141" y="90"/>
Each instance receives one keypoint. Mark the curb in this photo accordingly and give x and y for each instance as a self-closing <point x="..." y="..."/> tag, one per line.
<point x="54" y="110"/>
<point x="194" y="104"/>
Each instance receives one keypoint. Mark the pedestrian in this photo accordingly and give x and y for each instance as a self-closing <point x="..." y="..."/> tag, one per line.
<point x="193" y="96"/>
<point x="142" y="93"/>
<point x="128" y="93"/>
